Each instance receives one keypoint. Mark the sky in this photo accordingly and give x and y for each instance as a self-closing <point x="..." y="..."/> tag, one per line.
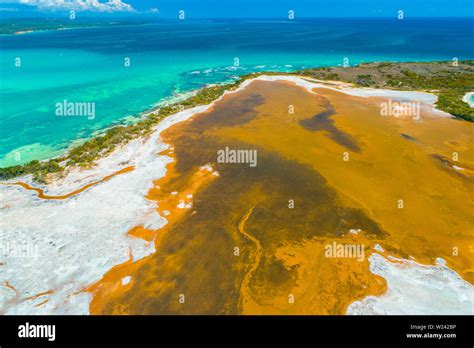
<point x="244" y="8"/>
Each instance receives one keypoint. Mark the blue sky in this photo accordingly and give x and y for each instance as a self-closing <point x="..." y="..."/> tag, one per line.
<point x="245" y="8"/>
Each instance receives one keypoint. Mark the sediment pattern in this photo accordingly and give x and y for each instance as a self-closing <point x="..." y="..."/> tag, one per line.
<point x="244" y="240"/>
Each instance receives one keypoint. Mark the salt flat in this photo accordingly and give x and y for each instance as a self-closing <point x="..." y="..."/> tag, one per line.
<point x="73" y="242"/>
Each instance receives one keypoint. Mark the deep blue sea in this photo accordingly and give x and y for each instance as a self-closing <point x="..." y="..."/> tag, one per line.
<point x="168" y="58"/>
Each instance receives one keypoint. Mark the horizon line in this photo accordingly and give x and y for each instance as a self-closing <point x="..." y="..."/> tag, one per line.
<point x="150" y="15"/>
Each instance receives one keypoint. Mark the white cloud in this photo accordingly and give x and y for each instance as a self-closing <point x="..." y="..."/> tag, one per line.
<point x="81" y="5"/>
<point x="154" y="10"/>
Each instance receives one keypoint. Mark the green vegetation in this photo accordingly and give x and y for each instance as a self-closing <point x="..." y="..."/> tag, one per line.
<point x="364" y="80"/>
<point x="449" y="87"/>
<point x="452" y="103"/>
<point x="384" y="65"/>
<point x="449" y="82"/>
<point x="38" y="169"/>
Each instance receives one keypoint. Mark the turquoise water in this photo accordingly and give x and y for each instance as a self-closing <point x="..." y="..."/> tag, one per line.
<point x="173" y="57"/>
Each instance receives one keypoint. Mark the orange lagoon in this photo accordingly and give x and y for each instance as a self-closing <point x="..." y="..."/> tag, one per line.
<point x="331" y="171"/>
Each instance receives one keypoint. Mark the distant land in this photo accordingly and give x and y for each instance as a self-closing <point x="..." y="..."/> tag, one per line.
<point x="29" y="25"/>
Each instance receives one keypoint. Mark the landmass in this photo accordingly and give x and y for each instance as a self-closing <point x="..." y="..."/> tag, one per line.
<point x="19" y="26"/>
<point x="168" y="229"/>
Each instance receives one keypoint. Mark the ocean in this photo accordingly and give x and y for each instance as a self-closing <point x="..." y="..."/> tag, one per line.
<point x="127" y="70"/>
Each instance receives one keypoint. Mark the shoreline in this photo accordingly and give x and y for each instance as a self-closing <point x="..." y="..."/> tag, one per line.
<point x="172" y="101"/>
<point x="467" y="99"/>
<point x="429" y="100"/>
<point x="133" y="126"/>
<point x="182" y="115"/>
